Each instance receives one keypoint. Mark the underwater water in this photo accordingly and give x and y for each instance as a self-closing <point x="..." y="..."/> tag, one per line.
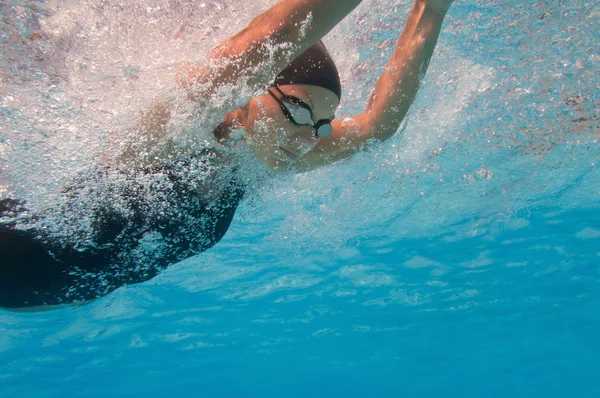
<point x="461" y="258"/>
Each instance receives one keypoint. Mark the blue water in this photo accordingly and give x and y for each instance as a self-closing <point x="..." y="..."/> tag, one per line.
<point x="512" y="317"/>
<point x="460" y="259"/>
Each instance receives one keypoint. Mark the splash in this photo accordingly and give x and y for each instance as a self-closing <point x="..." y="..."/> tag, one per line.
<point x="492" y="131"/>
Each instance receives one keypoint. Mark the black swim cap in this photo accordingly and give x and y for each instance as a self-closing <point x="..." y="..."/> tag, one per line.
<point x="315" y="67"/>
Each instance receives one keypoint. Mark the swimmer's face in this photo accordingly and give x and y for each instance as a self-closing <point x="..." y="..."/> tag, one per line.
<point x="276" y="140"/>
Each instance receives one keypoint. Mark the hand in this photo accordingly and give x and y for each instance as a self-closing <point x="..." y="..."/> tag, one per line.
<point x="440" y="6"/>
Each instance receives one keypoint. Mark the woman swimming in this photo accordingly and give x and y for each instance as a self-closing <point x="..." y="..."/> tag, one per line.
<point x="132" y="217"/>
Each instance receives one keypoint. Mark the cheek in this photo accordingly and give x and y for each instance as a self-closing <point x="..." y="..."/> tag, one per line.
<point x="264" y="120"/>
<point x="271" y="130"/>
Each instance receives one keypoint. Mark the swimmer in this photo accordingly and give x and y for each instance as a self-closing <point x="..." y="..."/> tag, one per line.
<point x="130" y="220"/>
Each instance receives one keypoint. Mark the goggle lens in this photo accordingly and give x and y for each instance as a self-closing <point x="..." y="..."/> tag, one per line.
<point x="300" y="114"/>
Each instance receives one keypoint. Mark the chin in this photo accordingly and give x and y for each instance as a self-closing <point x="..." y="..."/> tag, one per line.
<point x="277" y="164"/>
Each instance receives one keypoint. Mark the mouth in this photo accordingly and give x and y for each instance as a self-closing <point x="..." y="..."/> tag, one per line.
<point x="290" y="154"/>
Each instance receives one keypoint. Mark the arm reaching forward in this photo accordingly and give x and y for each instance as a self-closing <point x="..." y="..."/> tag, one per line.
<point x="394" y="91"/>
<point x="253" y="57"/>
<point x="266" y="46"/>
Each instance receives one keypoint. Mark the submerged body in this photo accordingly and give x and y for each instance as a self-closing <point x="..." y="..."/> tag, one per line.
<point x="157" y="206"/>
<point x="129" y="237"/>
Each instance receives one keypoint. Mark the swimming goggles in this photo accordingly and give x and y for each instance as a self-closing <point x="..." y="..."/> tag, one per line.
<point x="299" y="113"/>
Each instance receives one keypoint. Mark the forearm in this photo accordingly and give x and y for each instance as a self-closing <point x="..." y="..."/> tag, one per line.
<point x="304" y="22"/>
<point x="397" y="86"/>
<point x="267" y="45"/>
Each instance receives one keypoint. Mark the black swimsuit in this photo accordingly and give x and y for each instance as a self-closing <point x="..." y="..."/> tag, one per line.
<point x="123" y="229"/>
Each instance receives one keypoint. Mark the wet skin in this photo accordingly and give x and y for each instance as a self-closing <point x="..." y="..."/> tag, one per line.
<point x="275" y="140"/>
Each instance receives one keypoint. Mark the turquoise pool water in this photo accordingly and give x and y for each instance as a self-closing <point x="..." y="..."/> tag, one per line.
<point x="459" y="259"/>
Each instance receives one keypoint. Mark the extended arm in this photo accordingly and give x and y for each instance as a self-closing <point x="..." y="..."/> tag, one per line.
<point x="265" y="47"/>
<point x="394" y="91"/>
<point x="252" y="57"/>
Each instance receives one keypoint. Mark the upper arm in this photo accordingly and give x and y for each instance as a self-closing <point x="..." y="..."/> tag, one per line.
<point x="393" y="94"/>
<point x="348" y="137"/>
<point x="385" y="110"/>
<point x="254" y="56"/>
<point x="237" y="58"/>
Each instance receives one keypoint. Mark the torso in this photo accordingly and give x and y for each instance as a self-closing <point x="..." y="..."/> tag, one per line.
<point x="137" y="224"/>
<point x="149" y="204"/>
